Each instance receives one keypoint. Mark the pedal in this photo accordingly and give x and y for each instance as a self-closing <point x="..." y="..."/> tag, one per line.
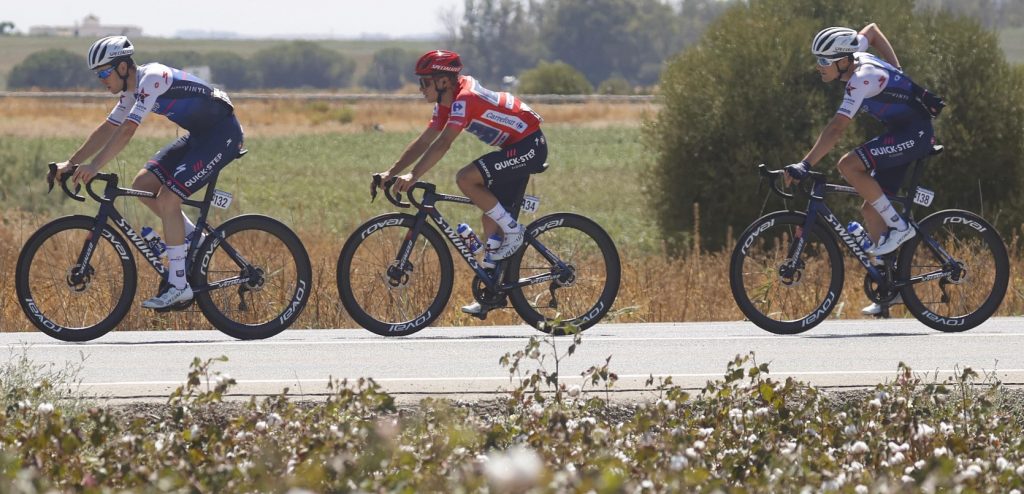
<point x="884" y="313"/>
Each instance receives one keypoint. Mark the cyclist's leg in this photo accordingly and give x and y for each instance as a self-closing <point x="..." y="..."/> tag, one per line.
<point x="496" y="178"/>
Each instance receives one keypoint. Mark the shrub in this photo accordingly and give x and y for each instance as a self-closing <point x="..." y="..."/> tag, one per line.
<point x="52" y="69"/>
<point x="303" y="64"/>
<point x="615" y="85"/>
<point x="554" y="78"/>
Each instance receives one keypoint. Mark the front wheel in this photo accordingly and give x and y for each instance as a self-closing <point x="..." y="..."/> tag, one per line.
<point x="966" y="266"/>
<point x="779" y="293"/>
<point x="579" y="266"/>
<point x="383" y="297"/>
<point x="71" y="302"/>
<point x="253" y="277"/>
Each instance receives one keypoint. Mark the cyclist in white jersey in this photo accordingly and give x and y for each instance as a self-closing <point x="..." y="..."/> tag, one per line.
<point x="185" y="165"/>
<point x="875" y="85"/>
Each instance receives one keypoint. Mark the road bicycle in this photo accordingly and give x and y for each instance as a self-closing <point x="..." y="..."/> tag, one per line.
<point x="786" y="271"/>
<point x="395" y="273"/>
<point x="76" y="276"/>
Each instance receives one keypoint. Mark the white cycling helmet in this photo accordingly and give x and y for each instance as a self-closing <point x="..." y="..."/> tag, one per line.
<point x="109" y="50"/>
<point x="835" y="42"/>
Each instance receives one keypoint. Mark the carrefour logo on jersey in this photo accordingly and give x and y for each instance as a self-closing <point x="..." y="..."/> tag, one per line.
<point x="459" y="109"/>
<point x="506" y="120"/>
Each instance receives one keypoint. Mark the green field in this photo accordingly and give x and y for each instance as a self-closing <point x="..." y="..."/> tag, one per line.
<point x="14" y="49"/>
<point x="322" y="181"/>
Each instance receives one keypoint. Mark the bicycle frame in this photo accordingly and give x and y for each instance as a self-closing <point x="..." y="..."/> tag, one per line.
<point x="816" y="207"/>
<point x="108" y="212"/>
<point x="427" y="209"/>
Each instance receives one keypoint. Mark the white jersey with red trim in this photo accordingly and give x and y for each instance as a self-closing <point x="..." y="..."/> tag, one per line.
<point x="183" y="98"/>
<point x="498" y="119"/>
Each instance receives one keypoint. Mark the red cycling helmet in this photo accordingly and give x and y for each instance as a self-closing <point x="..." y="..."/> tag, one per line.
<point x="439" y="61"/>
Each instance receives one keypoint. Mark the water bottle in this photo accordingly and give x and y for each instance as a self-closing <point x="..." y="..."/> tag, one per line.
<point x="470" y="238"/>
<point x="153" y="240"/>
<point x="859" y="234"/>
<point x="493" y="242"/>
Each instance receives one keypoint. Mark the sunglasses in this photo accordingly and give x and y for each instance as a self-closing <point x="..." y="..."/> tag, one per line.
<point x="425" y="81"/>
<point x="103" y="74"/>
<point x="825" y="62"/>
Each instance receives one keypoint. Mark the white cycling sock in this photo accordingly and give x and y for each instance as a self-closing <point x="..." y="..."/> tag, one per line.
<point x="889" y="214"/>
<point x="502" y="218"/>
<point x="176" y="254"/>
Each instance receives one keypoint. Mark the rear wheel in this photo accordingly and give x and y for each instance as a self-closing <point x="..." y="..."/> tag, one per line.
<point x="71" y="302"/>
<point x="265" y="277"/>
<point x="581" y="290"/>
<point x="976" y="267"/>
<point x="780" y="294"/>
<point x="384" y="298"/>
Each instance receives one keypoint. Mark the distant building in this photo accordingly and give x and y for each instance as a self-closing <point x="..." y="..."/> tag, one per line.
<point x="90" y="27"/>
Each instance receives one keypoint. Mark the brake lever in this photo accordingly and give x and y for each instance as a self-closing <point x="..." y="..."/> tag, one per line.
<point x="50" y="177"/>
<point x="373" y="187"/>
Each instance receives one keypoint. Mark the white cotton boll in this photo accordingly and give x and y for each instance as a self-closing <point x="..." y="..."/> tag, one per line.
<point x="761" y="412"/>
<point x="735" y="414"/>
<point x="850" y="430"/>
<point x="574" y="390"/>
<point x="515" y="470"/>
<point x="945" y="429"/>
<point x="705" y="432"/>
<point x="907" y="479"/>
<point x="1020" y="470"/>
<point x="678" y="463"/>
<point x="861" y="489"/>
<point x="841" y="416"/>
<point x="45" y="408"/>
<point x="875" y="404"/>
<point x="692" y="453"/>
<point x="158" y="445"/>
<point x="896" y="459"/>
<point x="919" y="464"/>
<point x="537" y="410"/>
<point x="274" y="419"/>
<point x="859" y="447"/>
<point x="924" y="431"/>
<point x="940" y="451"/>
<point x="261" y="426"/>
<point x="1002" y="464"/>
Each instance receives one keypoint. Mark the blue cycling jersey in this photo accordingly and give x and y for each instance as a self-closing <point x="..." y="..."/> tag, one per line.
<point x="882" y="91"/>
<point x="183" y="98"/>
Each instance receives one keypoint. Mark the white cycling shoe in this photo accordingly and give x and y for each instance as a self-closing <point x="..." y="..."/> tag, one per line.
<point x="171" y="295"/>
<point x="892" y="240"/>
<point x="875" y="309"/>
<point x="510" y="244"/>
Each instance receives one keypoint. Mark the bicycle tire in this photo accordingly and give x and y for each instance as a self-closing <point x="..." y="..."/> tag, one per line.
<point x="754" y="266"/>
<point x="363" y="283"/>
<point x="582" y="250"/>
<point x="982" y="287"/>
<point x="270" y="305"/>
<point x="70" y="302"/>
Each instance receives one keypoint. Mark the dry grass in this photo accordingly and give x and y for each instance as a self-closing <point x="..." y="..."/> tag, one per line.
<point x="31" y="117"/>
<point x="655" y="288"/>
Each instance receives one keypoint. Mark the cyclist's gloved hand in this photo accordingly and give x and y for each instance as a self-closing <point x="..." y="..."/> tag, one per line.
<point x="798" y="171"/>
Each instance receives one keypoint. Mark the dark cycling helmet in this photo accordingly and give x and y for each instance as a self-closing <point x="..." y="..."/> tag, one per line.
<point x="109" y="50"/>
<point x="835" y="42"/>
<point x="439" y="61"/>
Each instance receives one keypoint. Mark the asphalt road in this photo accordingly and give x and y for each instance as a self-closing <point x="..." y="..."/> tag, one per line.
<point x="462" y="363"/>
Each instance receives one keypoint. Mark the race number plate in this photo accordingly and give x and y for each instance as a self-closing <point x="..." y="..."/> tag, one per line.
<point x="923" y="197"/>
<point x="221" y="199"/>
<point x="531" y="204"/>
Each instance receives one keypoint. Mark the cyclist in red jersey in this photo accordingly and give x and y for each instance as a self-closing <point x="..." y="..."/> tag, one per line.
<point x="496" y="181"/>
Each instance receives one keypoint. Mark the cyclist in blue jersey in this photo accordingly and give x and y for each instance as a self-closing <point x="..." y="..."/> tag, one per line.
<point x="875" y="85"/>
<point x="182" y="167"/>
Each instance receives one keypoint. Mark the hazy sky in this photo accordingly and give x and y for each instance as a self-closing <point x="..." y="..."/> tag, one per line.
<point x="339" y="18"/>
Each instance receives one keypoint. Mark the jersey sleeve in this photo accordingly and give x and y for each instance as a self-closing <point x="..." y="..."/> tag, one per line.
<point x="120" y="110"/>
<point x="459" y="112"/>
<point x="439" y="119"/>
<point x="155" y="80"/>
<point x="866" y="82"/>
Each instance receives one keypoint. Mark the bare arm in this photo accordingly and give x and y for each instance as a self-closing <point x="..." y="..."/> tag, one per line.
<point x="414" y="150"/>
<point x="880" y="43"/>
<point x="436" y="151"/>
<point x="100" y="136"/>
<point x="118" y="140"/>
<point x="827" y="140"/>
